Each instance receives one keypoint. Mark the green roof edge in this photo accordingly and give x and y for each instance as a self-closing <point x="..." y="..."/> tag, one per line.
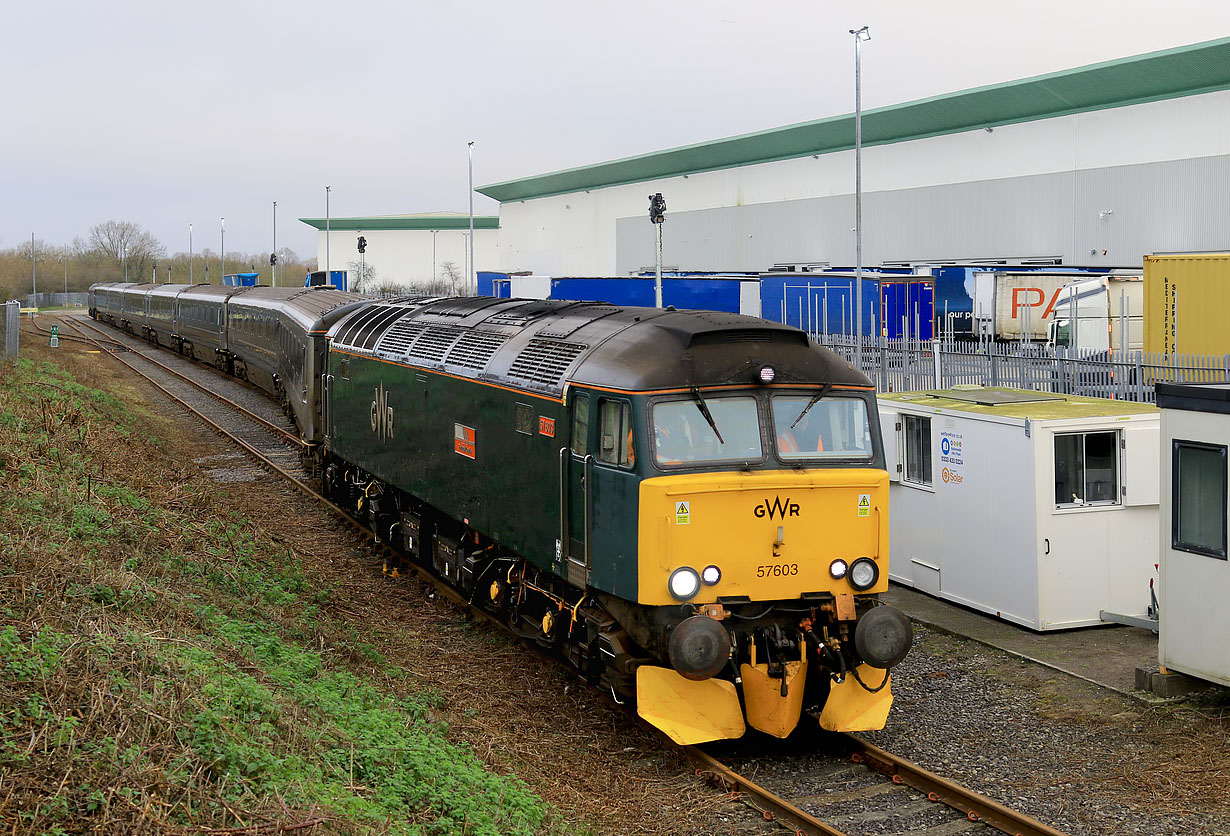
<point x="878" y="126"/>
<point x="405" y="222"/>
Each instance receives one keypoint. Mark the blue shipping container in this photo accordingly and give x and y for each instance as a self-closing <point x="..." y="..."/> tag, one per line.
<point x="698" y="294"/>
<point x="819" y="303"/>
<point x="240" y="279"/>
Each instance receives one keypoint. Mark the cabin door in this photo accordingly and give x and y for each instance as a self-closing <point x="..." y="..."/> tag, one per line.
<point x="576" y="470"/>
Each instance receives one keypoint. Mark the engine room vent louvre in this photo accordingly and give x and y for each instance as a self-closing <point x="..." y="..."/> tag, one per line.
<point x="435" y="341"/>
<point x="474" y="349"/>
<point x="398" y="339"/>
<point x="545" y="361"/>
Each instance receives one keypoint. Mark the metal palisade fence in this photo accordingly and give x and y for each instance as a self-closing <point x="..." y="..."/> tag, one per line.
<point x="10" y="325"/>
<point x="913" y="366"/>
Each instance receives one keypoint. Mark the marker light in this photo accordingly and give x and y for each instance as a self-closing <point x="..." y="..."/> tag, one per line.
<point x="711" y="575"/>
<point x="767" y="374"/>
<point x="864" y="573"/>
<point x="684" y="583"/>
<point x="837" y="569"/>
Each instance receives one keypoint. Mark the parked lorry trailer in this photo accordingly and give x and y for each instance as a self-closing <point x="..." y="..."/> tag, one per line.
<point x="1018" y="305"/>
<point x="1100" y="316"/>
<point x="1186" y="300"/>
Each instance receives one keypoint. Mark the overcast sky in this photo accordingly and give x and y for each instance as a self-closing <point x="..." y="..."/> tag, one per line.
<point x="166" y="113"/>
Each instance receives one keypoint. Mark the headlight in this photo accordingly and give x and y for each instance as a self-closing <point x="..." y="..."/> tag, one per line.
<point x="684" y="583"/>
<point x="711" y="575"/>
<point x="837" y="569"/>
<point x="864" y="573"/>
<point x="767" y="373"/>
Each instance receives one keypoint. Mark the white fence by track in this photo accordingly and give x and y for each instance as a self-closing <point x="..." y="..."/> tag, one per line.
<point x="914" y="366"/>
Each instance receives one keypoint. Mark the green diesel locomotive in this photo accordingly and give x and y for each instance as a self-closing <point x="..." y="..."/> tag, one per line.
<point x="689" y="507"/>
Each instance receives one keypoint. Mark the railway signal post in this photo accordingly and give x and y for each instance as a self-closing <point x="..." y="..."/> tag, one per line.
<point x="657" y="216"/>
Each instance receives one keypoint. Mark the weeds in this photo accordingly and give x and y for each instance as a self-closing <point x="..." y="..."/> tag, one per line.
<point x="163" y="662"/>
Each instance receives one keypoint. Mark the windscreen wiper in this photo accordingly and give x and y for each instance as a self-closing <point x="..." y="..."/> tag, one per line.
<point x="704" y="410"/>
<point x="824" y="390"/>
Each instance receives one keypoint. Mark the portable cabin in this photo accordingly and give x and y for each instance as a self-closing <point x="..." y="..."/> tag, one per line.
<point x="1040" y="509"/>
<point x="1195" y="574"/>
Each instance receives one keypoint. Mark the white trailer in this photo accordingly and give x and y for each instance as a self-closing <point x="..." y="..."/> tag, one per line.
<point x="1195" y="574"/>
<point x="1020" y="305"/>
<point x="1109" y="315"/>
<point x="1040" y="509"/>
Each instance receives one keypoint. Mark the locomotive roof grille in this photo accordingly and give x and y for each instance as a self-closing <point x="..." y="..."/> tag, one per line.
<point x="545" y="361"/>
<point x="475" y="349"/>
<point x="434" y="341"/>
<point x="399" y="338"/>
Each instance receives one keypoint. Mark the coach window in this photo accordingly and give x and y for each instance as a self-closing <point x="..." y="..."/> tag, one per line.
<point x="580" y="426"/>
<point x="917" y="447"/>
<point x="615" y="433"/>
<point x="1086" y="469"/>
<point x="1198" y="498"/>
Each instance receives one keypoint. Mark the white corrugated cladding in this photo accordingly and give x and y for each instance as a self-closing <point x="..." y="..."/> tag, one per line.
<point x="1105" y="185"/>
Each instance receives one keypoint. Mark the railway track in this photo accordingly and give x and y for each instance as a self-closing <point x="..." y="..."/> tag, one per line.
<point x="840" y="785"/>
<point x="855" y="789"/>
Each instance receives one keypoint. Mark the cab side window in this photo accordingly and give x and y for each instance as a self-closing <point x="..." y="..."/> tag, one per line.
<point x="580" y="426"/>
<point x="615" y="433"/>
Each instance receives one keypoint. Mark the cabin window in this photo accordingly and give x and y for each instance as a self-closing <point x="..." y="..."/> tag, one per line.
<point x="683" y="434"/>
<point x="1198" y="498"/>
<point x="917" y="449"/>
<point x="1086" y="469"/>
<point x="807" y="427"/>
<point x="580" y="426"/>
<point x="525" y="419"/>
<point x="615" y="433"/>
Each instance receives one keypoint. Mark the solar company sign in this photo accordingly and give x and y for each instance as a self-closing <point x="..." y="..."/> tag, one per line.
<point x="952" y="457"/>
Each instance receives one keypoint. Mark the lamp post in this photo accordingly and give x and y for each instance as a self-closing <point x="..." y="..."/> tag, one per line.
<point x="472" y="272"/>
<point x="328" y="274"/>
<point x="33" y="268"/>
<point x="222" y="274"/>
<point x="860" y="35"/>
<point x="434" y="232"/>
<point x="66" y="275"/>
<point x="189" y="253"/>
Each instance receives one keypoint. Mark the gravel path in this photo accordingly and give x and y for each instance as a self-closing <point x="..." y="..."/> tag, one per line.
<point x="1075" y="756"/>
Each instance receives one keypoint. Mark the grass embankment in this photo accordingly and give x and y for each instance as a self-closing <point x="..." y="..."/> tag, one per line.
<point x="162" y="661"/>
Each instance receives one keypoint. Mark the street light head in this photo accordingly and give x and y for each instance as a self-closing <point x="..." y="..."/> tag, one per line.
<point x="862" y="34"/>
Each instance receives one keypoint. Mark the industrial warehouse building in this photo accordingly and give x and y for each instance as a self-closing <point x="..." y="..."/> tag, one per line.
<point x="407" y="249"/>
<point x="1098" y="165"/>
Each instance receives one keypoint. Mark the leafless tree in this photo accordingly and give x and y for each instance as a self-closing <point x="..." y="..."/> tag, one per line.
<point x="362" y="274"/>
<point x="124" y="241"/>
<point x="453" y="280"/>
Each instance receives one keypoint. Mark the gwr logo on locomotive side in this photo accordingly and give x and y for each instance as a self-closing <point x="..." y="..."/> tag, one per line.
<point x="382" y="415"/>
<point x="777" y="508"/>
